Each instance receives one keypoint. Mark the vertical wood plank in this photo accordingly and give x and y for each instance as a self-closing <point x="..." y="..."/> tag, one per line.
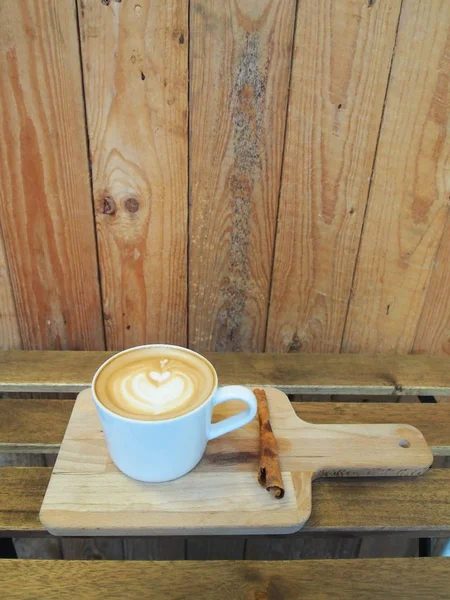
<point x="408" y="203"/>
<point x="38" y="548"/>
<point x="154" y="548"/>
<point x="92" y="549"/>
<point x="239" y="74"/>
<point x="9" y="324"/>
<point x="295" y="548"/>
<point x="438" y="545"/>
<point x="340" y="68"/>
<point x="388" y="546"/>
<point x="433" y="331"/>
<point x="135" y="58"/>
<point x="215" y="548"/>
<point x="45" y="198"/>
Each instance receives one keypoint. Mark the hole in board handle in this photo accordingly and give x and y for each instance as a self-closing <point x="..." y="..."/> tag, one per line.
<point x="404" y="443"/>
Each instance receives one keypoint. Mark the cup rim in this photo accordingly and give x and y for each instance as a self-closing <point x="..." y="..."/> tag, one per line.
<point x="159" y="422"/>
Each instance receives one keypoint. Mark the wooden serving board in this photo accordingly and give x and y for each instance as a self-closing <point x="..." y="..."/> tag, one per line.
<point x="88" y="495"/>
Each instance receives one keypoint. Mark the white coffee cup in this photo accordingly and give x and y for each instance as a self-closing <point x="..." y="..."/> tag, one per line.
<point x="163" y="450"/>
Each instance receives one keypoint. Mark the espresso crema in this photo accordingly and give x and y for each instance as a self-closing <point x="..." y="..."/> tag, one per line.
<point x="155" y="383"/>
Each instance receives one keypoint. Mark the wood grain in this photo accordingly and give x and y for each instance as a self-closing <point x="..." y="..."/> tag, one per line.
<point x="417" y="506"/>
<point x="431" y="419"/>
<point x="154" y="548"/>
<point x="29" y="426"/>
<point x="215" y="547"/>
<point x="38" y="548"/>
<point x="45" y="198"/>
<point x="339" y="75"/>
<point x="433" y="330"/>
<point x="136" y="80"/>
<point x="309" y="580"/>
<point x="92" y="549"/>
<point x="372" y="398"/>
<point x="239" y="75"/>
<point x="294" y="547"/>
<point x="292" y="373"/>
<point x="410" y="499"/>
<point x="408" y="204"/>
<point x="33" y="426"/>
<point x="9" y="324"/>
<point x="88" y="495"/>
<point x="21" y="495"/>
<point x="389" y="546"/>
<point x="22" y="460"/>
<point x="27" y="547"/>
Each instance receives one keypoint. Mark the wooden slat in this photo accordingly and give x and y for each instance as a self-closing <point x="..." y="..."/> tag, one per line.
<point x="339" y="76"/>
<point x="408" y="204"/>
<point x="404" y="504"/>
<point x="416" y="505"/>
<point x="294" y="547"/>
<point x="292" y="373"/>
<point x="22" y="459"/>
<point x="29" y="548"/>
<point x="366" y="398"/>
<point x="228" y="580"/>
<point x="45" y="198"/>
<point x="392" y="546"/>
<point x="135" y="62"/>
<point x="154" y="548"/>
<point x="433" y="332"/>
<point x="48" y="371"/>
<point x="22" y="490"/>
<point x="9" y="324"/>
<point x="33" y="426"/>
<point x="215" y="547"/>
<point x="92" y="549"/>
<point x="240" y="64"/>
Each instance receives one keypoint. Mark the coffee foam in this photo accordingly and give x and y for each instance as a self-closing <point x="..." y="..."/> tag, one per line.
<point x="155" y="383"/>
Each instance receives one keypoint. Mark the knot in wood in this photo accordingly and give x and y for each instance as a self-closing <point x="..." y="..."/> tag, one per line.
<point x="109" y="206"/>
<point x="132" y="204"/>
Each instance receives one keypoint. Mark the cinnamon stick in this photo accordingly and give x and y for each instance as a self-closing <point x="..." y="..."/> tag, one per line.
<point x="269" y="474"/>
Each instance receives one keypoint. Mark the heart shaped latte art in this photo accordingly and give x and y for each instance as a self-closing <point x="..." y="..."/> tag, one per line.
<point x="154" y="392"/>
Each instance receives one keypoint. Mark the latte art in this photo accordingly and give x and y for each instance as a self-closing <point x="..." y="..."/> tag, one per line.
<point x="142" y="393"/>
<point x="155" y="383"/>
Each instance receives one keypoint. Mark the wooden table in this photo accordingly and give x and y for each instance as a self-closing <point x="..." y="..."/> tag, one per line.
<point x="415" y="507"/>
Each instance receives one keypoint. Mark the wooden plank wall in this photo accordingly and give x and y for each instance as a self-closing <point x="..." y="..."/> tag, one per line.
<point x="313" y="137"/>
<point x="236" y="175"/>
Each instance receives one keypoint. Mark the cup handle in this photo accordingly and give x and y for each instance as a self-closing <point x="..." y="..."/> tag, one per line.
<point x="233" y="392"/>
